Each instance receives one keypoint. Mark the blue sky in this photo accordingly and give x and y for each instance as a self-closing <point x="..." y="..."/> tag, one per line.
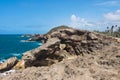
<point x="39" y="16"/>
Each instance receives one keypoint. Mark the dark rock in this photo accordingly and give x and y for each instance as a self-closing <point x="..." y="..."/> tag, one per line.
<point x="36" y="38"/>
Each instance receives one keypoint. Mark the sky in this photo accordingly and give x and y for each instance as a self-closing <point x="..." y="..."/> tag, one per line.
<point x="39" y="16"/>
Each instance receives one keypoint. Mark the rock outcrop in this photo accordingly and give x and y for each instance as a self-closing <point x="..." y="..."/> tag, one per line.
<point x="61" y="43"/>
<point x="41" y="53"/>
<point x="36" y="37"/>
<point x="78" y="54"/>
<point x="64" y="42"/>
<point x="8" y="64"/>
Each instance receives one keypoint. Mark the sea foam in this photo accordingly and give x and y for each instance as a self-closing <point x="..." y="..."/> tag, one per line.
<point x="7" y="72"/>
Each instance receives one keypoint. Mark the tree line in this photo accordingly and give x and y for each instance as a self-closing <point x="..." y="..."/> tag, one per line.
<point x="113" y="30"/>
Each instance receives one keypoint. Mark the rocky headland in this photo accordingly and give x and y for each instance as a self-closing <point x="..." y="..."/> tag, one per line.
<point x="68" y="54"/>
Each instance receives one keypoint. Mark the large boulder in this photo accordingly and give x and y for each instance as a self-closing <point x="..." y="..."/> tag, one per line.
<point x="8" y="64"/>
<point x="41" y="53"/>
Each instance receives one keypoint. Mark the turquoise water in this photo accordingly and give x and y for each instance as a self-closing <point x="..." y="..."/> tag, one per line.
<point x="14" y="45"/>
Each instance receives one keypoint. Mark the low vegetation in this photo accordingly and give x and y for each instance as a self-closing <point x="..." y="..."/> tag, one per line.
<point x="113" y="30"/>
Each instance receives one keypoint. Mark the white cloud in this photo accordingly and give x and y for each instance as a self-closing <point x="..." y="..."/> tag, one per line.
<point x="113" y="16"/>
<point x="109" y="3"/>
<point x="74" y="18"/>
<point x="110" y="18"/>
<point x="78" y="22"/>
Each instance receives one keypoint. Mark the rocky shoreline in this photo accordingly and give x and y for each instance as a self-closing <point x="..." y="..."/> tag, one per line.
<point x="68" y="54"/>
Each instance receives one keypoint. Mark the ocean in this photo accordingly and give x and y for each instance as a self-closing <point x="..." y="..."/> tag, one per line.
<point x="14" y="45"/>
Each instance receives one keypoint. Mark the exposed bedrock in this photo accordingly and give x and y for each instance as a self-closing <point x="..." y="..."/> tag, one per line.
<point x="63" y="43"/>
<point x="8" y="64"/>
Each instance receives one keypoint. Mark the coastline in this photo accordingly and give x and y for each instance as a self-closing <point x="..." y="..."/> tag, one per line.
<point x="70" y="53"/>
<point x="15" y="45"/>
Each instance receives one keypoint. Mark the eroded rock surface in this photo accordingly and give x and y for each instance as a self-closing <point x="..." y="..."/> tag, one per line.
<point x="8" y="64"/>
<point x="87" y="67"/>
<point x="61" y="43"/>
<point x="78" y="54"/>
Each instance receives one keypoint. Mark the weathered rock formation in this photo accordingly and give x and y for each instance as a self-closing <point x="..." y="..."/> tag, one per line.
<point x="82" y="55"/>
<point x="8" y="64"/>
<point x="36" y="37"/>
<point x="64" y="42"/>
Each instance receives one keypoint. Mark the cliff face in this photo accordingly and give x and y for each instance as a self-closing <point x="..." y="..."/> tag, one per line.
<point x="75" y="54"/>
